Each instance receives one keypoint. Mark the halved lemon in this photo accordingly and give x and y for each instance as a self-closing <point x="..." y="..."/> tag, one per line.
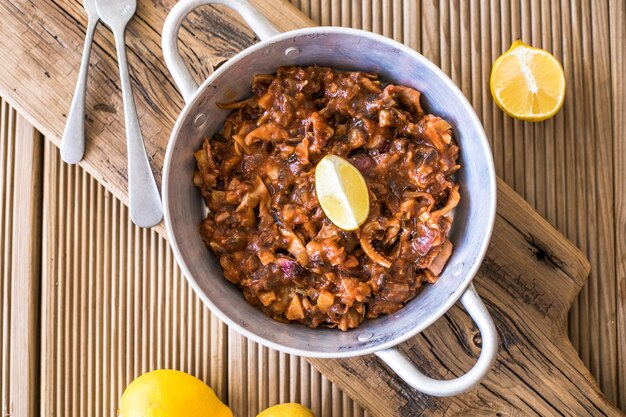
<point x="528" y="83"/>
<point x="342" y="192"/>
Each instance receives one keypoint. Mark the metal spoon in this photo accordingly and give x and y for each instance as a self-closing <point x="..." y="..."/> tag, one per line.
<point x="73" y="140"/>
<point x="144" y="200"/>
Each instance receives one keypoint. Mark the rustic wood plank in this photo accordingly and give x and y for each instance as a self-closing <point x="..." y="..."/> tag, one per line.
<point x="534" y="157"/>
<point x="430" y="31"/>
<point x="540" y="36"/>
<point x="115" y="305"/>
<point x="493" y="118"/>
<point x="377" y="12"/>
<point x="604" y="289"/>
<point x="507" y="132"/>
<point x="561" y="174"/>
<point x="20" y="227"/>
<point x="454" y="43"/>
<point x="530" y="312"/>
<point x="589" y="311"/>
<point x="260" y="377"/>
<point x="570" y="193"/>
<point x="517" y="126"/>
<point x="529" y="134"/>
<point x="475" y="66"/>
<point x="552" y="169"/>
<point x="25" y="268"/>
<point x="617" y="16"/>
<point x="510" y="140"/>
<point x="7" y="156"/>
<point x="526" y="137"/>
<point x="130" y="312"/>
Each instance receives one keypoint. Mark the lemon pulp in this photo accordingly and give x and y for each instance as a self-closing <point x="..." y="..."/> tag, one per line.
<point x="342" y="192"/>
<point x="528" y="83"/>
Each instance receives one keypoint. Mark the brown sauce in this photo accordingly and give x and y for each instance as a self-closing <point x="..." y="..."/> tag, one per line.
<point x="266" y="226"/>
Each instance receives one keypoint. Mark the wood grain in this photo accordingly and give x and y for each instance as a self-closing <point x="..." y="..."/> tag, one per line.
<point x="20" y="255"/>
<point x="528" y="280"/>
<point x="7" y="157"/>
<point x="562" y="166"/>
<point x="115" y="305"/>
<point x="617" y="13"/>
<point x="25" y="268"/>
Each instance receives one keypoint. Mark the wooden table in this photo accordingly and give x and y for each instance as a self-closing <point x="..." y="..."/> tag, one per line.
<point x="560" y="166"/>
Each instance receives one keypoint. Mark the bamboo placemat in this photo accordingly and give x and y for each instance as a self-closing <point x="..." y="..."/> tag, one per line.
<point x="93" y="338"/>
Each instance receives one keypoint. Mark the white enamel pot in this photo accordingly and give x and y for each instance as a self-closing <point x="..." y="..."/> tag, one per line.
<point x="339" y="48"/>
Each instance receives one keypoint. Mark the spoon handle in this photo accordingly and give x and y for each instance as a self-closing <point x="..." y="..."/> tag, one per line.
<point x="73" y="140"/>
<point x="144" y="200"/>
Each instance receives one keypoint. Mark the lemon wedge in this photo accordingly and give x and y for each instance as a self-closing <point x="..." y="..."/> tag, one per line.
<point x="342" y="192"/>
<point x="528" y="83"/>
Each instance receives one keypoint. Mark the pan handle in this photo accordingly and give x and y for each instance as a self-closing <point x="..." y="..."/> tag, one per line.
<point x="401" y="365"/>
<point x="174" y="62"/>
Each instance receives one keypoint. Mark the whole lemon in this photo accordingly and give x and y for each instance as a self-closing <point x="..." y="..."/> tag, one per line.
<point x="169" y="393"/>
<point x="286" y="410"/>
